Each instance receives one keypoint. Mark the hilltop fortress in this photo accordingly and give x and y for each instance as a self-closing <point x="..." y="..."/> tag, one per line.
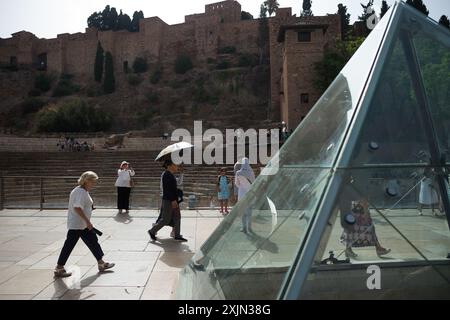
<point x="294" y="44"/>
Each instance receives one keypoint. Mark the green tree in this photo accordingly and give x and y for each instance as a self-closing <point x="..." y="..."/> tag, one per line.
<point x="140" y="65"/>
<point x="384" y="8"/>
<point x="123" y="21"/>
<point x="334" y="61"/>
<point x="419" y="5"/>
<point x="444" y="21"/>
<point x="108" y="19"/>
<point x="246" y="16"/>
<point x="113" y="20"/>
<point x="105" y="22"/>
<point x="99" y="60"/>
<point x="183" y="64"/>
<point x="73" y="116"/>
<point x="65" y="86"/>
<point x="345" y="20"/>
<point x="42" y="82"/>
<point x="95" y="20"/>
<point x="307" y="12"/>
<point x="271" y="6"/>
<point x="109" y="82"/>
<point x="263" y="33"/>
<point x="138" y="15"/>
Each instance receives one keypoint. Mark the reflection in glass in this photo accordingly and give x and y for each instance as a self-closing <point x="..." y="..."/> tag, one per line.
<point x="419" y="242"/>
<point x="315" y="142"/>
<point x="234" y="264"/>
<point x="393" y="130"/>
<point x="361" y="186"/>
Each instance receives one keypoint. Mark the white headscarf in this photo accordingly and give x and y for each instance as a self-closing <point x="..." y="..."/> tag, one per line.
<point x="246" y="170"/>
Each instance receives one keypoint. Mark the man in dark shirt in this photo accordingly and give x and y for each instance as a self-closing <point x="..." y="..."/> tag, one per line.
<point x="170" y="210"/>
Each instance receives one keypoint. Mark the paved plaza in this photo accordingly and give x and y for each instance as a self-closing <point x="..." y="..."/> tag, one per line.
<point x="30" y="242"/>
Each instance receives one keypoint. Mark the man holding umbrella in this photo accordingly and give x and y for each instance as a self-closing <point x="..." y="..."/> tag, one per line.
<point x="170" y="210"/>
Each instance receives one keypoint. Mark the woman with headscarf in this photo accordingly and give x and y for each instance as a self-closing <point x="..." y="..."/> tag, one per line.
<point x="243" y="180"/>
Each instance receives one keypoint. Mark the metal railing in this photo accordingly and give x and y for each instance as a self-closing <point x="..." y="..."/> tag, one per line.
<point x="52" y="192"/>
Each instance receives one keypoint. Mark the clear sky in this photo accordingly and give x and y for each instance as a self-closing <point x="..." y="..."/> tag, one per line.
<point x="47" y="18"/>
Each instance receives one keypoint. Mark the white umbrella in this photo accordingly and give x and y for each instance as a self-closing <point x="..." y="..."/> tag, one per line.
<point x="173" y="148"/>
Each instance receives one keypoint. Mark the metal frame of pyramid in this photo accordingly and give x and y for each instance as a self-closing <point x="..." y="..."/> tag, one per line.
<point x="384" y="35"/>
<point x="317" y="158"/>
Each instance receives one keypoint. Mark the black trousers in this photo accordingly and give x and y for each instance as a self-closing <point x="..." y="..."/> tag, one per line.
<point x="123" y="198"/>
<point x="169" y="217"/>
<point x="88" y="237"/>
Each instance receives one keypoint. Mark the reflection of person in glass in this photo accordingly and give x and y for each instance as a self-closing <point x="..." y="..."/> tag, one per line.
<point x="361" y="233"/>
<point x="428" y="195"/>
<point x="243" y="180"/>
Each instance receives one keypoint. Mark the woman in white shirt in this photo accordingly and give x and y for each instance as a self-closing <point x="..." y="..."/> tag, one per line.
<point x="123" y="184"/>
<point x="243" y="181"/>
<point x="428" y="195"/>
<point x="80" y="226"/>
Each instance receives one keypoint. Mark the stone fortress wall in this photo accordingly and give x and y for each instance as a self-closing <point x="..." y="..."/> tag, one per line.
<point x="200" y="37"/>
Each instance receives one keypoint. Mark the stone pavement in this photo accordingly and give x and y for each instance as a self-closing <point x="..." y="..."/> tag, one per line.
<point x="30" y="242"/>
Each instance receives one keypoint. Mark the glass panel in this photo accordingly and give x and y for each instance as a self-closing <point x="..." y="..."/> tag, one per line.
<point x="388" y="218"/>
<point x="433" y="50"/>
<point x="377" y="206"/>
<point x="317" y="142"/>
<point x="235" y="265"/>
<point x="317" y="139"/>
<point x="393" y="130"/>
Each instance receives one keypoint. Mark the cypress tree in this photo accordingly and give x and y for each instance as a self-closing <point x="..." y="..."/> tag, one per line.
<point x="109" y="83"/>
<point x="384" y="8"/>
<point x="345" y="20"/>
<point x="263" y="33"/>
<point x="98" y="67"/>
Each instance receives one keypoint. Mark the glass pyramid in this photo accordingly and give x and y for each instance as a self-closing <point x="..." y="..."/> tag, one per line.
<point x="359" y="208"/>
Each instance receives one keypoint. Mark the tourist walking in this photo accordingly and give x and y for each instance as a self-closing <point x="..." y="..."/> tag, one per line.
<point x="124" y="183"/>
<point x="170" y="209"/>
<point x="428" y="195"/>
<point x="223" y="192"/>
<point x="79" y="225"/>
<point x="180" y="180"/>
<point x="243" y="180"/>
